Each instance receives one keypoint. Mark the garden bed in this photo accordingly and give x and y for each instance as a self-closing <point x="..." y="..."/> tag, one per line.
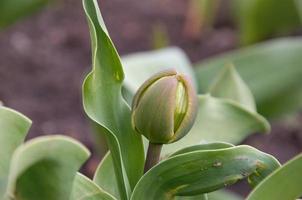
<point x="44" y="59"/>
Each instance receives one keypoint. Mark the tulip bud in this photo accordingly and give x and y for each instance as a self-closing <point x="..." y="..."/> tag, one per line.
<point x="165" y="107"/>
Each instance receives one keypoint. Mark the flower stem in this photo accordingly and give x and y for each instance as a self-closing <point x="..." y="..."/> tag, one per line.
<point x="153" y="155"/>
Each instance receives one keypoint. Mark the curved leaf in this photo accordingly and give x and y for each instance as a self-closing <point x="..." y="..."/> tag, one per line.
<point x="44" y="168"/>
<point x="220" y="120"/>
<point x="229" y="85"/>
<point x="285" y="183"/>
<point x="13" y="10"/>
<point x="141" y="66"/>
<point x="105" y="105"/>
<point x="208" y="146"/>
<point x="271" y="70"/>
<point x="85" y="189"/>
<point x="105" y="176"/>
<point x="13" y="129"/>
<point x="203" y="172"/>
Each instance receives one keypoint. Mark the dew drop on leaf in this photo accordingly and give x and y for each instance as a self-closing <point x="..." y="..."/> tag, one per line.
<point x="117" y="76"/>
<point x="217" y="164"/>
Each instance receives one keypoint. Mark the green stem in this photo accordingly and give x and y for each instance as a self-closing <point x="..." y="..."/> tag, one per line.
<point x="153" y="155"/>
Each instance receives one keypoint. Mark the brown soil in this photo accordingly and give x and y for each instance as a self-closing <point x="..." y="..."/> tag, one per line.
<point x="44" y="58"/>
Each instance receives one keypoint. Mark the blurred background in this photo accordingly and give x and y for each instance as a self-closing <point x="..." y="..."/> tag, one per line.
<point x="45" y="55"/>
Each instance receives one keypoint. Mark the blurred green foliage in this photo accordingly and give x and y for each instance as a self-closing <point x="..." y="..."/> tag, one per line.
<point x="160" y="36"/>
<point x="14" y="10"/>
<point x="256" y="20"/>
<point x="261" y="19"/>
<point x="272" y="70"/>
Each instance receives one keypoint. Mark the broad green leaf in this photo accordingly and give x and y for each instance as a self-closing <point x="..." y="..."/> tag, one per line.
<point x="13" y="10"/>
<point x="141" y="66"/>
<point x="105" y="105"/>
<point x="13" y="129"/>
<point x="223" y="195"/>
<point x="204" y="171"/>
<point x="85" y="189"/>
<point x="105" y="176"/>
<point x="44" y="168"/>
<point x="220" y="120"/>
<point x="217" y="195"/>
<point x="207" y="146"/>
<point x="261" y="19"/>
<point x="228" y="84"/>
<point x="272" y="71"/>
<point x="285" y="183"/>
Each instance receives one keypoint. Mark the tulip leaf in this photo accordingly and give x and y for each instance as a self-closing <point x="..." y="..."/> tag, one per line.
<point x="285" y="183"/>
<point x="204" y="171"/>
<point x="105" y="105"/>
<point x="13" y="129"/>
<point x="105" y="176"/>
<point x="13" y="10"/>
<point x="228" y="84"/>
<point x="141" y="66"/>
<point x="217" y="195"/>
<point x="44" y="168"/>
<point x="85" y="189"/>
<point x="220" y="120"/>
<point x="271" y="70"/>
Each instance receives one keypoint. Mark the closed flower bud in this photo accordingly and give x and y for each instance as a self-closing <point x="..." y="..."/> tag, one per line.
<point x="165" y="107"/>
